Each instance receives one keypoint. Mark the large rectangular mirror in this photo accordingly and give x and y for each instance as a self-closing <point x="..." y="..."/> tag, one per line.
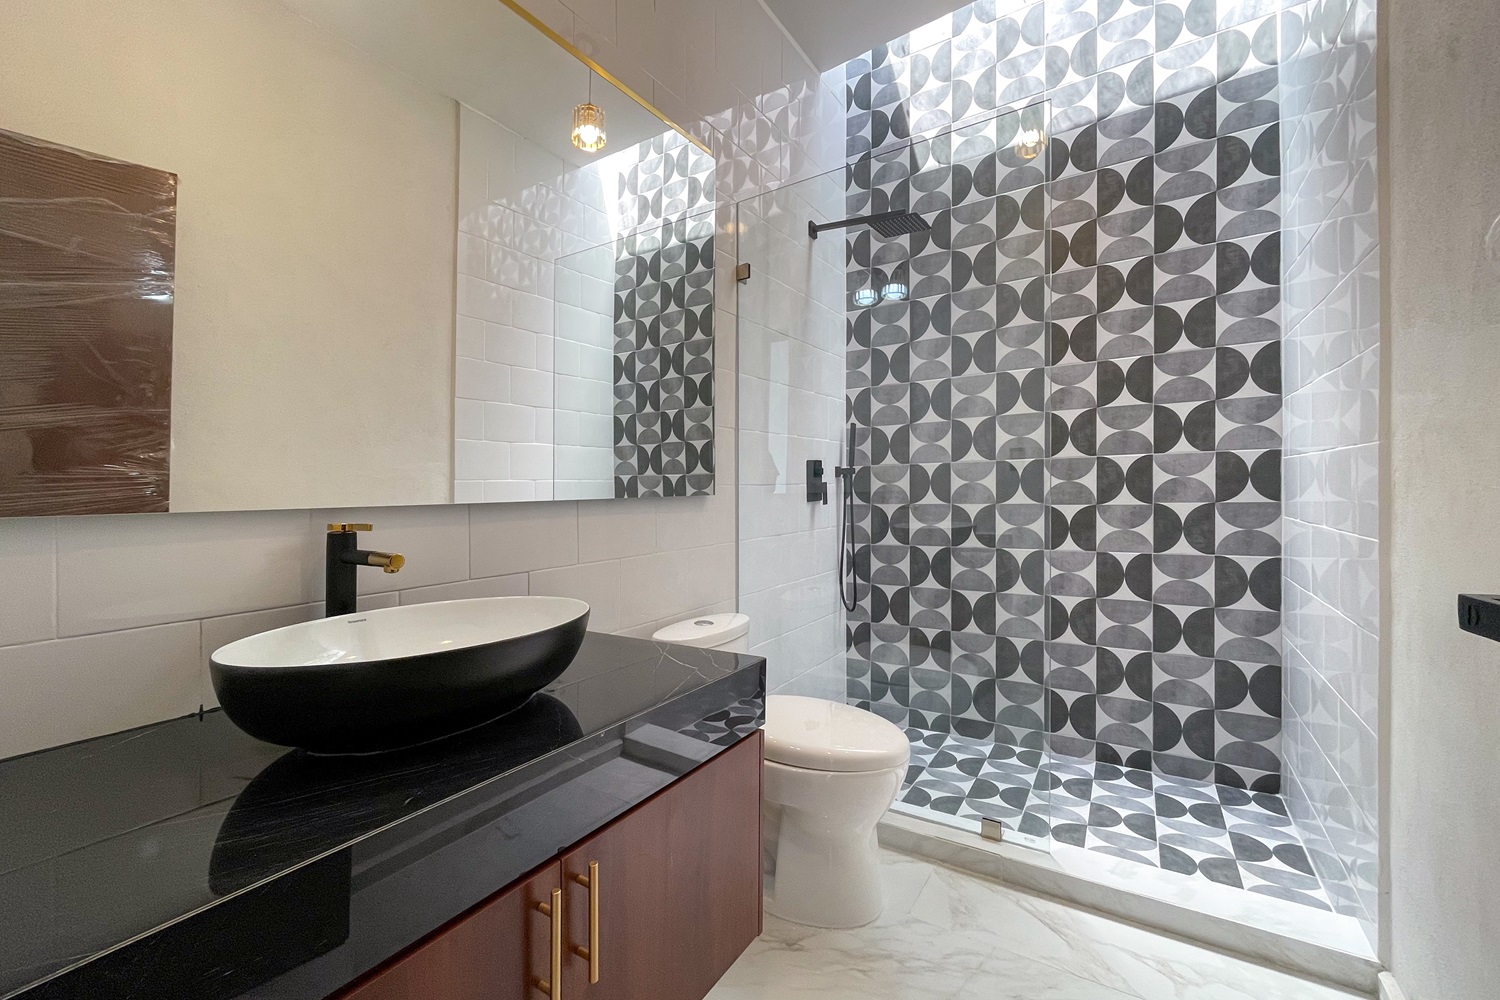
<point x="324" y="253"/>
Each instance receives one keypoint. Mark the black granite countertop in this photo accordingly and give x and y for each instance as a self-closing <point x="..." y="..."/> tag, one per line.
<point x="188" y="859"/>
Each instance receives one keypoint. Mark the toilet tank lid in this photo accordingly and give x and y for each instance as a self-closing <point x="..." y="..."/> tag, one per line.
<point x="822" y="735"/>
<point x="705" y="630"/>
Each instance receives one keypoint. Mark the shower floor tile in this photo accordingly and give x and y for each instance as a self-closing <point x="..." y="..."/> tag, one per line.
<point x="1194" y="828"/>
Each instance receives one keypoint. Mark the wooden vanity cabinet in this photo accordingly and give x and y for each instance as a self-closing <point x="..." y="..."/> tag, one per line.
<point x="679" y="895"/>
<point x="675" y="895"/>
<point x="493" y="952"/>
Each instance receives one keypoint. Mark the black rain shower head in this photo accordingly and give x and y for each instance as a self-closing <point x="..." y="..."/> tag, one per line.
<point x="887" y="224"/>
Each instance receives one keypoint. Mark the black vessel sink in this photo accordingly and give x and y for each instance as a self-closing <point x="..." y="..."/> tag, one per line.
<point x="396" y="677"/>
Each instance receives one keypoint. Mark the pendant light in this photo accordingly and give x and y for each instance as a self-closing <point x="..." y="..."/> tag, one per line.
<point x="588" y="123"/>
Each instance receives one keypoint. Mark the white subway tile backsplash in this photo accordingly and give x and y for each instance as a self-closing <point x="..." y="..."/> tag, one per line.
<point x="514" y="585"/>
<point x="126" y="572"/>
<point x="615" y="529"/>
<point x="75" y="689"/>
<point x="517" y="538"/>
<point x="28" y="580"/>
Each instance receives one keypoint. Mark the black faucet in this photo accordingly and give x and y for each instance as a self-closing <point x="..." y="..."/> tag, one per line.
<point x="344" y="558"/>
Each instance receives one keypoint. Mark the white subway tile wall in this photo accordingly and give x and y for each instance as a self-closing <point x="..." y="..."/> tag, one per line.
<point x="1330" y="474"/>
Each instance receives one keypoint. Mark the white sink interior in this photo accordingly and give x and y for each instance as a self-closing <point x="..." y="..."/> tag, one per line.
<point x="392" y="633"/>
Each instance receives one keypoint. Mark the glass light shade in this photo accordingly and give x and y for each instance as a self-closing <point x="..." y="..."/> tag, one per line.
<point x="1030" y="142"/>
<point x="866" y="297"/>
<point x="895" y="291"/>
<point x="588" y="127"/>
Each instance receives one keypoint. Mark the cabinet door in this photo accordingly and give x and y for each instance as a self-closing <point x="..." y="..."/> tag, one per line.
<point x="678" y="885"/>
<point x="496" y="952"/>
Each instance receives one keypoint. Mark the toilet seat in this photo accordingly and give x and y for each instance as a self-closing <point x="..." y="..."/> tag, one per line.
<point x="820" y="735"/>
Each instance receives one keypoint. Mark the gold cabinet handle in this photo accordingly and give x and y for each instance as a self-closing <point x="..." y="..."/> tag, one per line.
<point x="553" y="986"/>
<point x="592" y="951"/>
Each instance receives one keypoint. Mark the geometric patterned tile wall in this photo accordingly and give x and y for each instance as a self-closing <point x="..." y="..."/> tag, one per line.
<point x="1070" y="513"/>
<point x="664" y="325"/>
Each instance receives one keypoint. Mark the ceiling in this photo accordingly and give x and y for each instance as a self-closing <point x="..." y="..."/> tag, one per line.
<point x="484" y="55"/>
<point x="832" y="32"/>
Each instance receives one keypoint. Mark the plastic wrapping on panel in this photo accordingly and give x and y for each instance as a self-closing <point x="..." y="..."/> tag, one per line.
<point x="87" y="265"/>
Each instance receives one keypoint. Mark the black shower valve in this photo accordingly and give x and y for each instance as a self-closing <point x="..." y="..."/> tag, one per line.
<point x="817" y="489"/>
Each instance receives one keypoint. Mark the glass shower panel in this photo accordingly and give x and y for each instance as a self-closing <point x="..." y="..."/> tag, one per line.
<point x="790" y="411"/>
<point x="927" y="283"/>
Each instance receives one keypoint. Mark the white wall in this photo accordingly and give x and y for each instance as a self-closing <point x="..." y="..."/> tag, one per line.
<point x="299" y="158"/>
<point x="1441" y="159"/>
<point x="1330" y="490"/>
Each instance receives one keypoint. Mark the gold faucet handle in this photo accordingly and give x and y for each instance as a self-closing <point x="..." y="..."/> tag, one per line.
<point x="351" y="527"/>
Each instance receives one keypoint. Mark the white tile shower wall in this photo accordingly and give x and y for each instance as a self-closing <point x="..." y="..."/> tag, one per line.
<point x="791" y="384"/>
<point x="1331" y="287"/>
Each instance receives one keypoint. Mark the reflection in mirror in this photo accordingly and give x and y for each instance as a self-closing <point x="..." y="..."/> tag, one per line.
<point x="352" y="296"/>
<point x="635" y="361"/>
<point x="593" y="376"/>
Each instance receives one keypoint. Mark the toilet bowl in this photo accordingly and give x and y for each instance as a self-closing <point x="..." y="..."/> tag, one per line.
<point x="831" y="772"/>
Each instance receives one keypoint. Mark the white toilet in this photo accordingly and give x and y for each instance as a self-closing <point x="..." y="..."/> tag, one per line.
<point x="729" y="631"/>
<point x="832" y="770"/>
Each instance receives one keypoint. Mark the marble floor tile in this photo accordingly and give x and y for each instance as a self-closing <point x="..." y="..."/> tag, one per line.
<point x="946" y="935"/>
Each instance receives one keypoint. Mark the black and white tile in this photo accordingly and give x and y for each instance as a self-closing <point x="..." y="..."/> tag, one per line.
<point x="663" y="420"/>
<point x="1068" y="527"/>
<point x="1194" y="828"/>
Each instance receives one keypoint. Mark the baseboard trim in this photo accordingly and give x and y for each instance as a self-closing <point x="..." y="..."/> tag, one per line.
<point x="1389" y="988"/>
<point x="1041" y="873"/>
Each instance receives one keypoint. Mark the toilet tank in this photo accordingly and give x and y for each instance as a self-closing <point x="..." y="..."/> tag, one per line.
<point x="729" y="631"/>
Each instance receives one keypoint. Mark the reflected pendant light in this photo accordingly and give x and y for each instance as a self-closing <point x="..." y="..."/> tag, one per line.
<point x="1030" y="142"/>
<point x="866" y="297"/>
<point x="588" y="123"/>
